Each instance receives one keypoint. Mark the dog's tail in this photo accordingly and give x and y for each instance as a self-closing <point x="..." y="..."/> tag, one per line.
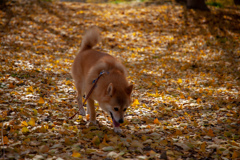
<point x="90" y="39"/>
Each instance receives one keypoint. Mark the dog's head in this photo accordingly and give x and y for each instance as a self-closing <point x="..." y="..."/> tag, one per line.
<point x="117" y="100"/>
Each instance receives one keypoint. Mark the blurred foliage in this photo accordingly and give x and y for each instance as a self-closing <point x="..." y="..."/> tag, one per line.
<point x="216" y="4"/>
<point x="220" y="3"/>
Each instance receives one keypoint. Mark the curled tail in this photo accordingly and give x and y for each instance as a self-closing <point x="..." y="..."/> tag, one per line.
<point x="90" y="38"/>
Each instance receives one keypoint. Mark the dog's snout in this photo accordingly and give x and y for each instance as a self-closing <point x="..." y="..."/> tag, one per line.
<point x="120" y="121"/>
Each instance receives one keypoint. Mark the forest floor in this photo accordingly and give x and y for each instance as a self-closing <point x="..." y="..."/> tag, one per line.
<point x="184" y="65"/>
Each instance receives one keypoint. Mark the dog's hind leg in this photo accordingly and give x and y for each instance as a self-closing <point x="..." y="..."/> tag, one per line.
<point x="79" y="99"/>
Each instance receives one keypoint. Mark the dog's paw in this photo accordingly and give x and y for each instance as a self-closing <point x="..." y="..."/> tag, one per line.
<point x="92" y="123"/>
<point x="82" y="111"/>
<point x="117" y="130"/>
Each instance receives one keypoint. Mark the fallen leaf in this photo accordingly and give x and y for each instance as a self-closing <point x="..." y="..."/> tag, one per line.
<point x="114" y="139"/>
<point x="203" y="147"/>
<point x="30" y="89"/>
<point x="156" y="121"/>
<point x="25" y="130"/>
<point x="41" y="100"/>
<point x="136" y="143"/>
<point x="178" y="132"/>
<point x="183" y="146"/>
<point x="179" y="81"/>
<point x="5" y="140"/>
<point x="11" y="86"/>
<point x="163" y="142"/>
<point x="96" y="140"/>
<point x="76" y="154"/>
<point x="67" y="141"/>
<point x="31" y="122"/>
<point x="44" y="149"/>
<point x="235" y="154"/>
<point x="112" y="154"/>
<point x="210" y="133"/>
<point x="135" y="102"/>
<point x="34" y="143"/>
<point x="108" y="148"/>
<point x="59" y="145"/>
<point x="199" y="100"/>
<point x="90" y="151"/>
<point x="35" y="112"/>
<point x="24" y="123"/>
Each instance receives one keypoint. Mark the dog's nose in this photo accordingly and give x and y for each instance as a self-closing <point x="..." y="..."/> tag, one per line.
<point x="120" y="121"/>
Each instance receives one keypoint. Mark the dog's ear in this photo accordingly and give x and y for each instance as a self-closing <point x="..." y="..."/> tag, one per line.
<point x="110" y="90"/>
<point x="129" y="89"/>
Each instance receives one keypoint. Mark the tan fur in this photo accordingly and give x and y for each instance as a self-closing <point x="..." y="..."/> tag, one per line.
<point x="112" y="90"/>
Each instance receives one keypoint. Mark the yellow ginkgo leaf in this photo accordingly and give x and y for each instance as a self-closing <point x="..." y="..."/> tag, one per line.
<point x="68" y="82"/>
<point x="35" y="112"/>
<point x="136" y="102"/>
<point x="182" y="96"/>
<point x="80" y="117"/>
<point x="32" y="122"/>
<point x="41" y="100"/>
<point x="199" y="100"/>
<point x="179" y="81"/>
<point x="156" y="121"/>
<point x="24" y="123"/>
<point x="144" y="105"/>
<point x="25" y="130"/>
<point x="30" y="89"/>
<point x="76" y="154"/>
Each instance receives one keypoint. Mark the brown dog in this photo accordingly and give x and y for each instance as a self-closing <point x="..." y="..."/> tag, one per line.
<point x="112" y="90"/>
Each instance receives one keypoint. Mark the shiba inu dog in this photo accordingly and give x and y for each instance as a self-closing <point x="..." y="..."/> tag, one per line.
<point x="112" y="90"/>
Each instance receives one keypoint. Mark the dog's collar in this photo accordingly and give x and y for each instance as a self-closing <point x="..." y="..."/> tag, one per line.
<point x="100" y="74"/>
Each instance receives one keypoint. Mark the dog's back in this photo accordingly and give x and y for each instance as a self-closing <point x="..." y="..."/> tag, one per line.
<point x="86" y="54"/>
<point x="88" y="62"/>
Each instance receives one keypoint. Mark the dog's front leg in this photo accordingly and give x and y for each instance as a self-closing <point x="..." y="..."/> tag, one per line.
<point x="117" y="129"/>
<point x="91" y="111"/>
<point x="80" y="105"/>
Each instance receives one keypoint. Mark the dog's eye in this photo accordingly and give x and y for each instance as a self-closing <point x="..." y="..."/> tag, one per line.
<point x="116" y="109"/>
<point x="124" y="109"/>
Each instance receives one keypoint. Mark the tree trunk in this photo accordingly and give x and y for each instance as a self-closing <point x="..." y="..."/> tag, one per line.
<point x="197" y="4"/>
<point x="237" y="2"/>
<point x="3" y="4"/>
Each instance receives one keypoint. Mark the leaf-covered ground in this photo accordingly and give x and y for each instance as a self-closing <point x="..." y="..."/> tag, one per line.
<point x="184" y="64"/>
